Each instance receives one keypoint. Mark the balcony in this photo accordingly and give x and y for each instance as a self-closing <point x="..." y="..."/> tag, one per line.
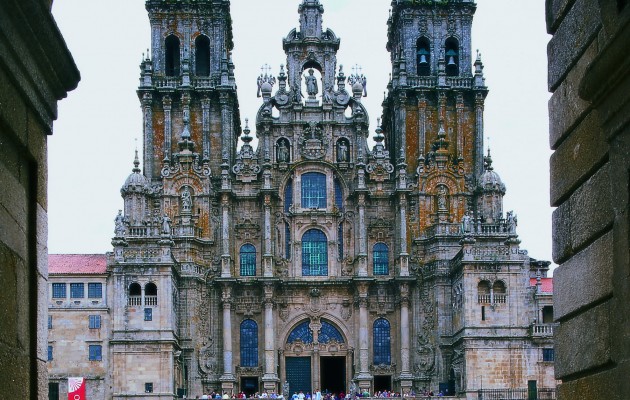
<point x="543" y="330"/>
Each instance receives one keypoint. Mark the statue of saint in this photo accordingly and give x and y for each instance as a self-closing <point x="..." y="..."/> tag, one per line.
<point x="441" y="198"/>
<point x="186" y="200"/>
<point x="342" y="151"/>
<point x="511" y="222"/>
<point x="119" y="230"/>
<point x="311" y="83"/>
<point x="166" y="225"/>
<point x="466" y="222"/>
<point x="283" y="152"/>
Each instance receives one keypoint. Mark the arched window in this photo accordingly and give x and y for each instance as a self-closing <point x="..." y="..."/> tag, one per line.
<point x="248" y="260"/>
<point x="171" y="59"/>
<point x="313" y="190"/>
<point x="382" y="342"/>
<point x="135" y="294"/>
<point x="249" y="343"/>
<point x="380" y="258"/>
<point x="202" y="56"/>
<point x="150" y="294"/>
<point x="288" y="196"/>
<point x="483" y="292"/>
<point x="451" y="49"/>
<point x="423" y="57"/>
<point x="499" y="293"/>
<point x="314" y="253"/>
<point x="329" y="333"/>
<point x="302" y="332"/>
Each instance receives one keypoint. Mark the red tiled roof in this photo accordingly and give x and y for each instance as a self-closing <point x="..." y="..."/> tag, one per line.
<point x="79" y="264"/>
<point x="546" y="284"/>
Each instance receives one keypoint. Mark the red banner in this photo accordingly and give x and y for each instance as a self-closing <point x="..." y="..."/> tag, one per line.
<point x="76" y="389"/>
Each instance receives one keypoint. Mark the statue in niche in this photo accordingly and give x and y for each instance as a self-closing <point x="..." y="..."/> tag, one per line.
<point x="311" y="83"/>
<point x="166" y="225"/>
<point x="441" y="198"/>
<point x="283" y="152"/>
<point x="342" y="151"/>
<point x="186" y="200"/>
<point x="119" y="230"/>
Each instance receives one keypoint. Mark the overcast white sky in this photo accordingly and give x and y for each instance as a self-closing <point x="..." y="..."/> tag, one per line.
<point x="91" y="150"/>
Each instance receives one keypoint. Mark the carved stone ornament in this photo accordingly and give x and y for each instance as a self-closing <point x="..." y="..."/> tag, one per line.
<point x="246" y="168"/>
<point x="379" y="167"/>
<point x="208" y="362"/>
<point x="313" y="143"/>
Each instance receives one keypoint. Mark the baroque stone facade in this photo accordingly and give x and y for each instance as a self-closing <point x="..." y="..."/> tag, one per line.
<point x="316" y="258"/>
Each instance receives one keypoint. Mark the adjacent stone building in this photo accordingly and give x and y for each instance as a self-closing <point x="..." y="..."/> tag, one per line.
<point x="318" y="259"/>
<point x="36" y="70"/>
<point x="589" y="75"/>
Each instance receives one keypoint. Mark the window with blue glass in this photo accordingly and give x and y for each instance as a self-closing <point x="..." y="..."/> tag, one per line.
<point x="249" y="343"/>
<point x="287" y="241"/>
<point x="314" y="253"/>
<point x="59" y="290"/>
<point x="313" y="190"/>
<point x="95" y="321"/>
<point x="50" y="322"/>
<point x="248" y="260"/>
<point x="380" y="258"/>
<point x="329" y="333"/>
<point x="382" y="342"/>
<point x="95" y="290"/>
<point x="338" y="195"/>
<point x="549" y="355"/>
<point x="77" y="290"/>
<point x="302" y="332"/>
<point x="50" y="353"/>
<point x="148" y="314"/>
<point x="340" y="240"/>
<point x="288" y="196"/>
<point x="95" y="352"/>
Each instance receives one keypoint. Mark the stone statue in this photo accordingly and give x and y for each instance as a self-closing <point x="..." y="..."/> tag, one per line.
<point x="342" y="151"/>
<point x="119" y="230"/>
<point x="364" y="83"/>
<point x="466" y="222"/>
<point x="283" y="152"/>
<point x="166" y="225"/>
<point x="285" y="390"/>
<point x="186" y="200"/>
<point x="511" y="222"/>
<point x="296" y="94"/>
<point x="311" y="83"/>
<point x="353" y="389"/>
<point x="441" y="198"/>
<point x="327" y="97"/>
<point x="259" y="83"/>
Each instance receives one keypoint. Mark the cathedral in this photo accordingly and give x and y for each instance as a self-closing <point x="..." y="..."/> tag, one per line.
<point x="304" y="250"/>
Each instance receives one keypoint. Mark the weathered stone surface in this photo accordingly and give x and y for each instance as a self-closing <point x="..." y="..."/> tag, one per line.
<point x="555" y="12"/>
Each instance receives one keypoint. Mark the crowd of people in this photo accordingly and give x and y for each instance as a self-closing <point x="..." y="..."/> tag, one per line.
<point x="318" y="395"/>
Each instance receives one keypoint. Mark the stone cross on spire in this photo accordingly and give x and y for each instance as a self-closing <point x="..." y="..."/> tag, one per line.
<point x="311" y="18"/>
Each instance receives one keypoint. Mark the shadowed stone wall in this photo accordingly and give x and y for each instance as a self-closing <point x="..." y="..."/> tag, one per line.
<point x="589" y="75"/>
<point x="36" y="70"/>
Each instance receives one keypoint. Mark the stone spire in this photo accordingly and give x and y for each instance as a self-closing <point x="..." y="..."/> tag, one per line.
<point x="311" y="18"/>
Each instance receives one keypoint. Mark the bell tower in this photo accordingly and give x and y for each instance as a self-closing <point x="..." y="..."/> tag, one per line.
<point x="433" y="115"/>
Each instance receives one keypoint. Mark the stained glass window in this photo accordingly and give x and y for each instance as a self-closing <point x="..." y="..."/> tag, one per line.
<point x="248" y="260"/>
<point x="329" y="333"/>
<point x="287" y="241"/>
<point x="338" y="195"/>
<point x="340" y="240"/>
<point x="249" y="343"/>
<point x="313" y="190"/>
<point x="301" y="332"/>
<point x="382" y="342"/>
<point x="288" y="196"/>
<point x="381" y="259"/>
<point x="314" y="253"/>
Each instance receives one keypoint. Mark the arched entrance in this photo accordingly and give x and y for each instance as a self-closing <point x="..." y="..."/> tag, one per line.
<point x="316" y="356"/>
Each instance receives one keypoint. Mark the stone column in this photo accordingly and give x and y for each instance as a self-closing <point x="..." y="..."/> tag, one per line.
<point x="404" y="256"/>
<point x="168" y="127"/>
<point x="227" y="378"/>
<point x="479" y="104"/>
<point x="422" y="125"/>
<point x="270" y="379"/>
<point x="364" y="376"/>
<point x="460" y="126"/>
<point x="362" y="237"/>
<point x="147" y="112"/>
<point x="205" y="123"/>
<point x="225" y="238"/>
<point x="226" y="124"/>
<point x="267" y="255"/>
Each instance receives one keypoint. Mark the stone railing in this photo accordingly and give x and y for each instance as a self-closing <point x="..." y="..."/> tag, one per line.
<point x="492" y="299"/>
<point x="150" y="300"/>
<point x="167" y="82"/>
<point x="134" y="301"/>
<point x="543" y="330"/>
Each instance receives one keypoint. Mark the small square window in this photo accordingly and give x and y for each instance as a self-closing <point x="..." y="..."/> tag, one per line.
<point x="95" y="290"/>
<point x="77" y="290"/>
<point x="59" y="290"/>
<point x="148" y="387"/>
<point x="549" y="355"/>
<point x="148" y="314"/>
<point x="50" y="353"/>
<point x="95" y="322"/>
<point x="50" y="322"/>
<point x="96" y="352"/>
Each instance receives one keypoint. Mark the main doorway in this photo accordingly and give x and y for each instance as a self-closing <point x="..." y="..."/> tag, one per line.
<point x="298" y="374"/>
<point x="333" y="375"/>
<point x="249" y="385"/>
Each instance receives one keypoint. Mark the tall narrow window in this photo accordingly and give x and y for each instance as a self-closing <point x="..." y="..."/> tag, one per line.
<point x="202" y="56"/>
<point x="382" y="342"/>
<point x="171" y="59"/>
<point x="313" y="190"/>
<point x="314" y="253"/>
<point x="50" y="322"/>
<point x="287" y="241"/>
<point x="380" y="258"/>
<point x="148" y="314"/>
<point x="150" y="294"/>
<point x="135" y="294"/>
<point x="50" y="353"/>
<point x="423" y="57"/>
<point x="340" y="240"/>
<point x="338" y="195"/>
<point x="288" y="196"/>
<point x="248" y="260"/>
<point x="451" y="51"/>
<point x="77" y="290"/>
<point x="249" y="343"/>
